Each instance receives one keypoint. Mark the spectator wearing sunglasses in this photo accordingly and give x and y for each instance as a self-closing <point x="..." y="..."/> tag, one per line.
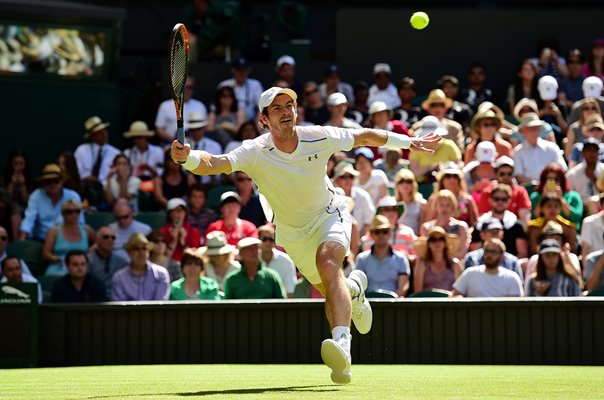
<point x="70" y="235"/>
<point x="386" y="268"/>
<point x="125" y="226"/>
<point x="485" y="127"/>
<point x="580" y="129"/>
<point x="103" y="262"/>
<point x="276" y="259"/>
<point x="436" y="268"/>
<point x="44" y="205"/>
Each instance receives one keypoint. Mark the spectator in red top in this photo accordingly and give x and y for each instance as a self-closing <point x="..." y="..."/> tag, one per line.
<point x="520" y="203"/>
<point x="179" y="233"/>
<point x="234" y="227"/>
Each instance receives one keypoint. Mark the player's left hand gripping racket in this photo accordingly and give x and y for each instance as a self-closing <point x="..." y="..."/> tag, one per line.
<point x="179" y="67"/>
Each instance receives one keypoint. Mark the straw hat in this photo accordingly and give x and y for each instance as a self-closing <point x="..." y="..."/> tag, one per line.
<point x="485" y="115"/>
<point x="138" y="129"/>
<point x="51" y="171"/>
<point x="247" y="242"/>
<point x="451" y="242"/>
<point x="379" y="222"/>
<point x="216" y="244"/>
<point x="343" y="168"/>
<point x="530" y="120"/>
<point x="524" y="102"/>
<point x="94" y="124"/>
<point x="135" y="239"/>
<point x="437" y="96"/>
<point x="449" y="168"/>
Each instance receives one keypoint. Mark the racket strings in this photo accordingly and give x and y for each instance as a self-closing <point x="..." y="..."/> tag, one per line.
<point x="178" y="65"/>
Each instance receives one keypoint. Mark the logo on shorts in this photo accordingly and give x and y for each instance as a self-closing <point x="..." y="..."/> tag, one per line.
<point x="316" y="157"/>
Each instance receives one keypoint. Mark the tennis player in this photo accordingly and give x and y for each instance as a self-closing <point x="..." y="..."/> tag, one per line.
<point x="313" y="223"/>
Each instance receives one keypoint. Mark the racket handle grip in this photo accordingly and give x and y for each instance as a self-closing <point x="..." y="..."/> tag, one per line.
<point x="180" y="135"/>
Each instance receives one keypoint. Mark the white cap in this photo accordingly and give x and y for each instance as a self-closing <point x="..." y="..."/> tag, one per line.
<point x="335" y="99"/>
<point x="381" y="67"/>
<point x="548" y="87"/>
<point x="267" y="97"/>
<point x="175" y="203"/>
<point x="592" y="86"/>
<point x="504" y="160"/>
<point x="248" y="241"/>
<point x="285" y="60"/>
<point x="430" y="124"/>
<point x="377" y="106"/>
<point x="485" y="152"/>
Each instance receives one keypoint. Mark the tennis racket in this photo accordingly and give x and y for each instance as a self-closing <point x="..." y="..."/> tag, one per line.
<point x="179" y="67"/>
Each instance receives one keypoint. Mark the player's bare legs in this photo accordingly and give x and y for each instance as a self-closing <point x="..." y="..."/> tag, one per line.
<point x="344" y="298"/>
<point x="338" y="305"/>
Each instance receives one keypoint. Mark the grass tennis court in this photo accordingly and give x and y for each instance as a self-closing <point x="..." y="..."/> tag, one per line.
<point x="379" y="382"/>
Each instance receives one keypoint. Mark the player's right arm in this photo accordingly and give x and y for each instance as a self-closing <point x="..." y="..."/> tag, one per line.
<point x="200" y="162"/>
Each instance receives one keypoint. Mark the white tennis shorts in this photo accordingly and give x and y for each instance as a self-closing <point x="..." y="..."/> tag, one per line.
<point x="334" y="224"/>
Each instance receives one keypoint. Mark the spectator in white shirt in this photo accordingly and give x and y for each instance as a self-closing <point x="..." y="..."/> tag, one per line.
<point x="247" y="90"/>
<point x="583" y="176"/>
<point x="146" y="159"/>
<point x="165" y="121"/>
<point x="383" y="89"/>
<point x="534" y="153"/>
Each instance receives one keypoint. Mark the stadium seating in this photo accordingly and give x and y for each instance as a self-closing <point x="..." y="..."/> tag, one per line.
<point x="29" y="251"/>
<point x="214" y="194"/>
<point x="432" y="293"/>
<point x="380" y="294"/>
<point x="155" y="219"/>
<point x="98" y="219"/>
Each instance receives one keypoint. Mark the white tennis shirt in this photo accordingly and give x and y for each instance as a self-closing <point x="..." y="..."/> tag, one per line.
<point x="295" y="185"/>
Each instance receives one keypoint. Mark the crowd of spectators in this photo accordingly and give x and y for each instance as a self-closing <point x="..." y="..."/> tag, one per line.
<point x="509" y="204"/>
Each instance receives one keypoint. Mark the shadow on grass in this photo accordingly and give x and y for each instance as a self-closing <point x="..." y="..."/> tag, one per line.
<point x="295" y="389"/>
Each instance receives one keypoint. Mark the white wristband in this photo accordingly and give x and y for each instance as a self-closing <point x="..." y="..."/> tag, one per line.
<point x="193" y="161"/>
<point x="397" y="141"/>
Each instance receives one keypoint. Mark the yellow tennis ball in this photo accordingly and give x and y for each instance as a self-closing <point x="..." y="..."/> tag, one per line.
<point x="419" y="20"/>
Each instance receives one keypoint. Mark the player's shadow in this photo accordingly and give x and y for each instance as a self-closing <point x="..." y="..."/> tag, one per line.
<point x="296" y="389"/>
<point x="287" y="389"/>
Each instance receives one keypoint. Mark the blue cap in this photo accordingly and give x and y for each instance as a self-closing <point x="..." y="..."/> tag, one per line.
<point x="240" y="63"/>
<point x="332" y="69"/>
<point x="365" y="152"/>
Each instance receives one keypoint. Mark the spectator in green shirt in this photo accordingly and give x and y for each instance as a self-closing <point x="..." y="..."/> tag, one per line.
<point x="254" y="280"/>
<point x="193" y="285"/>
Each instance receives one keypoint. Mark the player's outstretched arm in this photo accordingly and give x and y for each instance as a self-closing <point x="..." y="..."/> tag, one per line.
<point x="198" y="161"/>
<point x="379" y="137"/>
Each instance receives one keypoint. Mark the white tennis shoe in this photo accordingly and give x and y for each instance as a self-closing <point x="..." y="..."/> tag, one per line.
<point x="362" y="315"/>
<point x="336" y="355"/>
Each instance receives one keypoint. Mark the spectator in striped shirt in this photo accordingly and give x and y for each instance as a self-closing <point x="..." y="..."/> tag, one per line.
<point x="141" y="280"/>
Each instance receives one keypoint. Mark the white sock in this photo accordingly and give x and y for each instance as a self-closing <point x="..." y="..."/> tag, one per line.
<point x="353" y="288"/>
<point x="339" y="331"/>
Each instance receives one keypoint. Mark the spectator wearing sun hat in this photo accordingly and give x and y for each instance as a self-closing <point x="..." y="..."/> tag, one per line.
<point x="403" y="237"/>
<point x="383" y="89"/>
<point x="45" y="203"/>
<point x="485" y="127"/>
<point x="385" y="267"/>
<point x="141" y="280"/>
<point x="437" y="104"/>
<point x="146" y="159"/>
<point x="179" y="232"/>
<point x="234" y="227"/>
<point x="534" y="153"/>
<point x="94" y="159"/>
<point x="221" y="257"/>
<point x="254" y="280"/>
